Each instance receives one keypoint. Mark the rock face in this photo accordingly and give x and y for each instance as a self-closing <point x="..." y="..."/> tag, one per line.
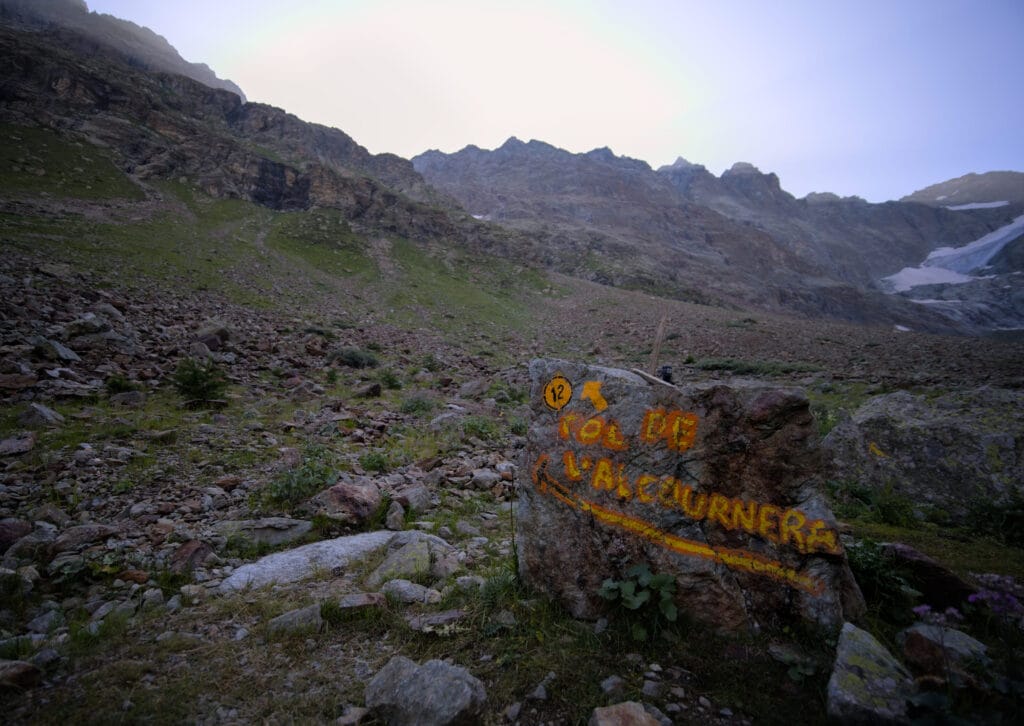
<point x="960" y="450"/>
<point x="868" y="685"/>
<point x="715" y="485"/>
<point x="433" y="694"/>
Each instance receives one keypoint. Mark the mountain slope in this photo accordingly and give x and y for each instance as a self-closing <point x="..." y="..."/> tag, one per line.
<point x="139" y="44"/>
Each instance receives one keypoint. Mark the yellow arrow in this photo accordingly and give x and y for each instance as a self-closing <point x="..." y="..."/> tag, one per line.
<point x="592" y="393"/>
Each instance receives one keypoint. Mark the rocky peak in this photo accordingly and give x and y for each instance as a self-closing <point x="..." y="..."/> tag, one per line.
<point x="681" y="164"/>
<point x="741" y="167"/>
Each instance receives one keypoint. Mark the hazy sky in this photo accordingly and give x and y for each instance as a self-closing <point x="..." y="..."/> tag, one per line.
<point x="875" y="98"/>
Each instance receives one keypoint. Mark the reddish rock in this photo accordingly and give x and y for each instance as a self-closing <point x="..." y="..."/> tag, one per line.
<point x="629" y="713"/>
<point x="189" y="556"/>
<point x="350" y="501"/>
<point x="139" y="576"/>
<point x="17" y="381"/>
<point x="11" y="530"/>
<point x="19" y="675"/>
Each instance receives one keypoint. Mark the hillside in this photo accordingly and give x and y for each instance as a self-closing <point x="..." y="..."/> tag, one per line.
<point x="227" y="335"/>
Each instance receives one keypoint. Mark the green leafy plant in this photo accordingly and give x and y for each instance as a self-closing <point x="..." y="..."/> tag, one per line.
<point x="481" y="427"/>
<point x="431" y="363"/>
<point x="199" y="383"/>
<point x="375" y="461"/>
<point x="648" y="595"/>
<point x="293" y="486"/>
<point x="390" y="380"/>
<point x="886" y="589"/>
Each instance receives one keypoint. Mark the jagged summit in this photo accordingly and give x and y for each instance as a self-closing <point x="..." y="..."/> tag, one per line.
<point x="741" y="167"/>
<point x="681" y="164"/>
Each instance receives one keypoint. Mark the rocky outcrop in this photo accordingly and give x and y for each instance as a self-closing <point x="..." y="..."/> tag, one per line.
<point x="714" y="485"/>
<point x="959" y="451"/>
<point x="868" y="685"/>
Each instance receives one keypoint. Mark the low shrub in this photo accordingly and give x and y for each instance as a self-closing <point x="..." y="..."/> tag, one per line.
<point x="199" y="382"/>
<point x="353" y="358"/>
<point x="417" y="404"/>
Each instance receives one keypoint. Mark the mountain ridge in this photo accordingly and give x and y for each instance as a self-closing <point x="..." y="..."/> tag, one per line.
<point x="137" y="42"/>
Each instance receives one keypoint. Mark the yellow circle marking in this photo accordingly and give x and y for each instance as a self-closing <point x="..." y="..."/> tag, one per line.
<point x="557" y="393"/>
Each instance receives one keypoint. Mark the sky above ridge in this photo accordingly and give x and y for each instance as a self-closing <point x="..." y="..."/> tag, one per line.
<point x="874" y="98"/>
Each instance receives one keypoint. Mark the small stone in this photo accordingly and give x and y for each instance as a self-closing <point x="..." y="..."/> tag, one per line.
<point x="192" y="594"/>
<point x="652" y="689"/>
<point x="409" y="592"/>
<point x="152" y="598"/>
<point x="613" y="684"/>
<point x="512" y="712"/>
<point x="296" y="621"/>
<point x="351" y="716"/>
<point x="704" y="702"/>
<point x="395" y="519"/>
<point x="435" y="622"/>
<point x="628" y="713"/>
<point x="362" y="600"/>
<point x="726" y="712"/>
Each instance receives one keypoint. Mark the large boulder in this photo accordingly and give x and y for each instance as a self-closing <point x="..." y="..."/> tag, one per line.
<point x="433" y="694"/>
<point x="952" y="453"/>
<point x="353" y="501"/>
<point x="716" y="485"/>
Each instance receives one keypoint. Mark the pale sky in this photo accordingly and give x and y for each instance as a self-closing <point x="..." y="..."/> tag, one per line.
<point x="876" y="98"/>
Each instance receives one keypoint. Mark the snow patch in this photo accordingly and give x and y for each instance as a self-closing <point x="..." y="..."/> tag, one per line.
<point x="910" y="277"/>
<point x="978" y="253"/>
<point x="977" y="205"/>
<point x="953" y="265"/>
<point x="901" y="328"/>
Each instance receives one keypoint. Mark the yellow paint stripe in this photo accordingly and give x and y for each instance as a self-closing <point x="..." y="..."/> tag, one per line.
<point x="736" y="559"/>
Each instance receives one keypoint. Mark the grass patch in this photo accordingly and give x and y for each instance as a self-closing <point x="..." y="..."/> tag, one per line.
<point x="34" y="161"/>
<point x="961" y="551"/>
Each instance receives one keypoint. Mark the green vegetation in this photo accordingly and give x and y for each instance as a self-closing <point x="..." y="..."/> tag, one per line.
<point x="647" y="597"/>
<point x="292" y="487"/>
<point x="322" y="239"/>
<point x="200" y="383"/>
<point x="36" y="160"/>
<point x="418" y="404"/>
